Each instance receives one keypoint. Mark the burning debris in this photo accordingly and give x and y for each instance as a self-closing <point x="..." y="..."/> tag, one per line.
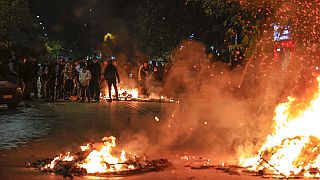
<point x="98" y="159"/>
<point x="293" y="149"/>
<point x="132" y="94"/>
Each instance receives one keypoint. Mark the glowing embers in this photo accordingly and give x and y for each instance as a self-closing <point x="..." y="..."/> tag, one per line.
<point x="293" y="149"/>
<point x="124" y="93"/>
<point x="132" y="94"/>
<point x="98" y="159"/>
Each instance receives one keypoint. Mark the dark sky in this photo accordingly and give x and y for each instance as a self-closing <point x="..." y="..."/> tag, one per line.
<point x="69" y="20"/>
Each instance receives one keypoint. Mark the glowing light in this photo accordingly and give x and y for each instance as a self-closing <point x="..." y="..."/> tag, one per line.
<point x="293" y="147"/>
<point x="100" y="158"/>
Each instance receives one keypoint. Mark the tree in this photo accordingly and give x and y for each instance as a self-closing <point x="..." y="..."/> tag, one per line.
<point x="243" y="22"/>
<point x="18" y="29"/>
<point x="53" y="48"/>
<point x="162" y="25"/>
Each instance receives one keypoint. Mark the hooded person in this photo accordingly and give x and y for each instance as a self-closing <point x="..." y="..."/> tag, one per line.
<point x="111" y="75"/>
<point x="84" y="79"/>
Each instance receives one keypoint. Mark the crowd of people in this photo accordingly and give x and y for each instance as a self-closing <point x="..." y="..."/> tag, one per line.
<point x="62" y="79"/>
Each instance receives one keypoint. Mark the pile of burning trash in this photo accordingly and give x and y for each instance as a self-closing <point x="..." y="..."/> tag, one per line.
<point x="98" y="159"/>
<point x="293" y="149"/>
<point x="132" y="94"/>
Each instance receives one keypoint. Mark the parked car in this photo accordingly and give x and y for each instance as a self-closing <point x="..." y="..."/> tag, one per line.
<point x="10" y="94"/>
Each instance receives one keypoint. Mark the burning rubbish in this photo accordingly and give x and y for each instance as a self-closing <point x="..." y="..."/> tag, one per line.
<point x="293" y="149"/>
<point x="124" y="93"/>
<point x="98" y="159"/>
<point x="132" y="94"/>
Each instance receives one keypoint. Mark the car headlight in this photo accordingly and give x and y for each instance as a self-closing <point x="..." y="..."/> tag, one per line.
<point x="19" y="90"/>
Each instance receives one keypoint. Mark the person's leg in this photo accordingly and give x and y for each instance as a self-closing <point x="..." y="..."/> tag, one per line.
<point x="90" y="89"/>
<point x="26" y="91"/>
<point x="52" y="91"/>
<point x="116" y="90"/>
<point x="83" y="93"/>
<point x="109" y="89"/>
<point x="88" y="94"/>
<point x="68" y="89"/>
<point x="78" y="91"/>
<point x="44" y="87"/>
<point x="97" y="91"/>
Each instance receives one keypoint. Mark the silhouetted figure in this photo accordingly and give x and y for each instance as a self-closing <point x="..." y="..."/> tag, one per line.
<point x="111" y="75"/>
<point x="51" y="82"/>
<point x="95" y="69"/>
<point x="143" y="77"/>
<point x="28" y="73"/>
<point x="13" y="75"/>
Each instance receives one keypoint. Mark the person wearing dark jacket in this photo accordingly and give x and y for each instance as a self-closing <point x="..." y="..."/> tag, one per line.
<point x="111" y="75"/>
<point x="13" y="75"/>
<point x="28" y="72"/>
<point x="94" y="86"/>
<point x="51" y="82"/>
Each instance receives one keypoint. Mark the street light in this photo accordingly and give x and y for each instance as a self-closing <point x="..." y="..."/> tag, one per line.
<point x="38" y="16"/>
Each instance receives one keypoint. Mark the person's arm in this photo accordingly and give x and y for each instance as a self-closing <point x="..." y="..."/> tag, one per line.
<point x="89" y="75"/>
<point x="12" y="69"/>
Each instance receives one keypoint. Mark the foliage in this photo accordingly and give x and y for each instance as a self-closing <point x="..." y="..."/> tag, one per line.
<point x="162" y="25"/>
<point x="18" y="29"/>
<point x="246" y="20"/>
<point x="53" y="48"/>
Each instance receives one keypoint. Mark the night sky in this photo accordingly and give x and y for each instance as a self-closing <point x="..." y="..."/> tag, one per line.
<point x="72" y="20"/>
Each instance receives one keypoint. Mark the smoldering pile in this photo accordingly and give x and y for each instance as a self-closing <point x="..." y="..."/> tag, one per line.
<point x="69" y="169"/>
<point x="98" y="159"/>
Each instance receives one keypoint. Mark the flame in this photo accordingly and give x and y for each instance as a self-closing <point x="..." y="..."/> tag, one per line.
<point x="124" y="93"/>
<point x="99" y="158"/>
<point x="293" y="149"/>
<point x="133" y="94"/>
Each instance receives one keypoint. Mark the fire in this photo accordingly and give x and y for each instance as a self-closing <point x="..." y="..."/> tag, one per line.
<point x="293" y="149"/>
<point x="124" y="93"/>
<point x="97" y="158"/>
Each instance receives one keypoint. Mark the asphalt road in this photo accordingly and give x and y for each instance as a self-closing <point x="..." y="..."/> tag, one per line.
<point x="45" y="130"/>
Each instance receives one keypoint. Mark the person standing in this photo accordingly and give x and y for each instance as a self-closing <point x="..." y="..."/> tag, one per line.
<point x="143" y="77"/>
<point x="77" y="85"/>
<point x="43" y="73"/>
<point x="67" y="79"/>
<point x="51" y="82"/>
<point x="28" y="72"/>
<point x="59" y="76"/>
<point x="84" y="78"/>
<point x="95" y="81"/>
<point x="111" y="75"/>
<point x="14" y="75"/>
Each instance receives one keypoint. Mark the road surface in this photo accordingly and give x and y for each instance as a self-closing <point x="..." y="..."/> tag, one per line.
<point x="45" y="130"/>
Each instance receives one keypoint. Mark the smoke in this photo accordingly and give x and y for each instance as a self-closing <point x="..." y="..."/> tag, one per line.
<point x="212" y="115"/>
<point x="224" y="111"/>
<point x="229" y="111"/>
